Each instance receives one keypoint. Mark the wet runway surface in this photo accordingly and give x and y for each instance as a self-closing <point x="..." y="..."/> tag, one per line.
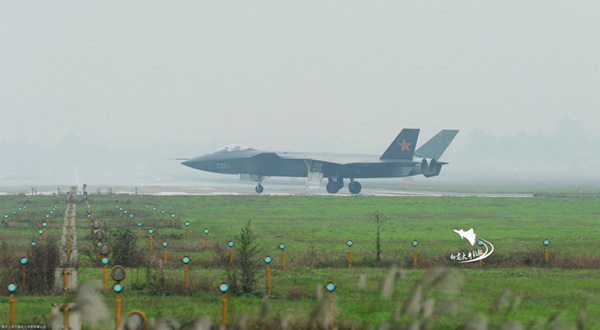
<point x="280" y="190"/>
<point x="207" y="189"/>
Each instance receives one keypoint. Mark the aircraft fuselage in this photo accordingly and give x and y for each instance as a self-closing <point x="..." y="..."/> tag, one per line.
<point x="272" y="165"/>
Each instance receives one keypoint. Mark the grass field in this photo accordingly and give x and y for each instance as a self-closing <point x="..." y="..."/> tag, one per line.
<point x="514" y="284"/>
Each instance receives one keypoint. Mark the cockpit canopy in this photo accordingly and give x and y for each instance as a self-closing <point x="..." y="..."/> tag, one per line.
<point x="232" y="148"/>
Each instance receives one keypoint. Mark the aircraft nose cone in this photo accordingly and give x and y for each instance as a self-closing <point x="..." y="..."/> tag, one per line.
<point x="197" y="163"/>
<point x="187" y="163"/>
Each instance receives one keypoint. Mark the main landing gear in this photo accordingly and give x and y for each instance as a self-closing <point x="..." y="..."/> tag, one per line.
<point x="334" y="185"/>
<point x="354" y="187"/>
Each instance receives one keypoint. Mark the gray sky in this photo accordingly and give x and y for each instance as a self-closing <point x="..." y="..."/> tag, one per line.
<point x="305" y="75"/>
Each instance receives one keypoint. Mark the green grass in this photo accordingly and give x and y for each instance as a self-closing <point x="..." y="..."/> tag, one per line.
<point x="315" y="229"/>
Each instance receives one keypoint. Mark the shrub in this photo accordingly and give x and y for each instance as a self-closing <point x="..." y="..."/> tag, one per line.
<point x="124" y="249"/>
<point x="40" y="269"/>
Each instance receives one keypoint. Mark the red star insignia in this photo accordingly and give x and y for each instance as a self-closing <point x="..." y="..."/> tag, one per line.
<point x="405" y="145"/>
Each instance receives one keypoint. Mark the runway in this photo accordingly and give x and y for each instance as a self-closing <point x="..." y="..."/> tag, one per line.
<point x="283" y="190"/>
<point x="214" y="188"/>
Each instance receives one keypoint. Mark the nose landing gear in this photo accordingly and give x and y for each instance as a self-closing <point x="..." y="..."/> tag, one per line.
<point x="354" y="187"/>
<point x="259" y="188"/>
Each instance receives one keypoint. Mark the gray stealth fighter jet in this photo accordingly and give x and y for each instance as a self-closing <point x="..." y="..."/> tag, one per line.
<point x="397" y="161"/>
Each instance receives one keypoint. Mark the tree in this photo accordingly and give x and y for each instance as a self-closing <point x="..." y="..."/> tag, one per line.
<point x="247" y="258"/>
<point x="379" y="220"/>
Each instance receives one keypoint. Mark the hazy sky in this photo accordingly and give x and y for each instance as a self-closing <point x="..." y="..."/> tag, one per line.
<point x="205" y="73"/>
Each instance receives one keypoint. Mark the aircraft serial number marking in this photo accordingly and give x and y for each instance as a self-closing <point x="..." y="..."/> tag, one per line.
<point x="222" y="166"/>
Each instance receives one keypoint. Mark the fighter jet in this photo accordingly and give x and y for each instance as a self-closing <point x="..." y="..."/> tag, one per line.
<point x="398" y="160"/>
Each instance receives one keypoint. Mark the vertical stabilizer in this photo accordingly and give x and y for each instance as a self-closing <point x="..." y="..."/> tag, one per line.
<point x="435" y="147"/>
<point x="403" y="146"/>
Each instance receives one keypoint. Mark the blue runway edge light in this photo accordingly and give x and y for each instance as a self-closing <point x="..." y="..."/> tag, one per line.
<point x="223" y="287"/>
<point x="12" y="287"/>
<point x="415" y="243"/>
<point x="267" y="260"/>
<point x="546" y="242"/>
<point x="330" y="286"/>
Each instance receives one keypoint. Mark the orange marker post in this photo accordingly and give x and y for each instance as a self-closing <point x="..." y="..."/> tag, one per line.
<point x="105" y="263"/>
<point x="12" y="287"/>
<point x="282" y="247"/>
<point x="414" y="244"/>
<point x="186" y="261"/>
<point x="187" y="281"/>
<point x="117" y="288"/>
<point x="150" y="232"/>
<point x="165" y="244"/>
<point x="349" y="243"/>
<point x="69" y="249"/>
<point x="24" y="263"/>
<point x="330" y="287"/>
<point x="223" y="287"/>
<point x="66" y="315"/>
<point x="230" y="244"/>
<point x="546" y="243"/>
<point x="480" y="243"/>
<point x="268" y="261"/>
<point x="206" y="238"/>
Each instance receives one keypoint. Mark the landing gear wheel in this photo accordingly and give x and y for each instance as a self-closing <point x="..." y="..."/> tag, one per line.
<point x="354" y="187"/>
<point x="332" y="187"/>
<point x="259" y="188"/>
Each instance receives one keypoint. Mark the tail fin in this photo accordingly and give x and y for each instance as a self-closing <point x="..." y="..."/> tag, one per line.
<point x="403" y="146"/>
<point x="435" y="147"/>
